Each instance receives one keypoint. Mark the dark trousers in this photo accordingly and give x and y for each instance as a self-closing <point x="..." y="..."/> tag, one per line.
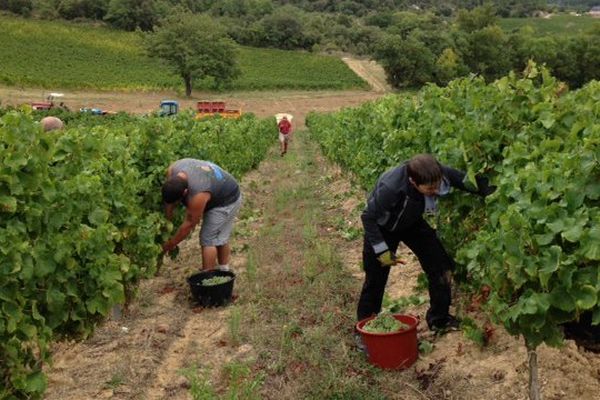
<point x="434" y="259"/>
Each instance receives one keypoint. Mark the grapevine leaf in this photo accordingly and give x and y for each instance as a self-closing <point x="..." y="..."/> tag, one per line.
<point x="591" y="244"/>
<point x="114" y="294"/>
<point x="551" y="264"/>
<point x="586" y="297"/>
<point x="14" y="315"/>
<point x="35" y="313"/>
<point x="44" y="266"/>
<point x="8" y="204"/>
<point x="55" y="299"/>
<point x="592" y="190"/>
<point x="534" y="321"/>
<point x="544" y="239"/>
<point x="565" y="275"/>
<point x="425" y="347"/>
<point x="547" y="120"/>
<point x="7" y="293"/>
<point x="573" y="234"/>
<point x="542" y="301"/>
<point x="28" y="330"/>
<point x="98" y="217"/>
<point x="36" y="382"/>
<point x="561" y="298"/>
<point x="535" y="303"/>
<point x="557" y="225"/>
<point x="577" y="127"/>
<point x="94" y="305"/>
<point x="591" y="250"/>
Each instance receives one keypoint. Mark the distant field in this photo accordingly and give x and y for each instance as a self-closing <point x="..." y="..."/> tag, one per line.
<point x="280" y="69"/>
<point x="54" y="54"/>
<point x="557" y="24"/>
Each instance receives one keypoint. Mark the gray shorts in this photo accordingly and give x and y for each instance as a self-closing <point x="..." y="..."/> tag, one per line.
<point x="284" y="138"/>
<point x="217" y="224"/>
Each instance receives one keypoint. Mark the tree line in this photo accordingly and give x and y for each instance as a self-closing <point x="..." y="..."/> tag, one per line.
<point x="119" y="11"/>
<point x="416" y="41"/>
<point x="429" y="49"/>
<point x="144" y="14"/>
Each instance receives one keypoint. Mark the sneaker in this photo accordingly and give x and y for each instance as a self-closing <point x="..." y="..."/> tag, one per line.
<point x="449" y="324"/>
<point x="224" y="268"/>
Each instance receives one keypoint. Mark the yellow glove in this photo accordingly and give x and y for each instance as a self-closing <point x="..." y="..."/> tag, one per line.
<point x="387" y="259"/>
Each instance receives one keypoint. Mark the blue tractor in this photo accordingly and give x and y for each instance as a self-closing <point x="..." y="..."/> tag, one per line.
<point x="168" y="107"/>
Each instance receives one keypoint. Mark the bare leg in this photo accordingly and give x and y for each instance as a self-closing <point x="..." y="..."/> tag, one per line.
<point x="224" y="254"/>
<point x="209" y="257"/>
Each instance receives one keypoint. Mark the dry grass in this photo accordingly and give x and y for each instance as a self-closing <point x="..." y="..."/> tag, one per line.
<point x="298" y="305"/>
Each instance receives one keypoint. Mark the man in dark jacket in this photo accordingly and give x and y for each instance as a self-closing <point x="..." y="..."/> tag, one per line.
<point x="394" y="214"/>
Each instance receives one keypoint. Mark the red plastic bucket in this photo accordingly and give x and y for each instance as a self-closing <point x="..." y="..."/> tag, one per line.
<point x="395" y="350"/>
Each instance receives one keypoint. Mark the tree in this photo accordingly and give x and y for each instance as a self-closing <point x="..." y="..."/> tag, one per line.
<point x="488" y="52"/>
<point x="93" y="9"/>
<point x="406" y="62"/>
<point x="133" y="14"/>
<point x="476" y="19"/>
<point x="195" y="47"/>
<point x="449" y="66"/>
<point x="284" y="30"/>
<point x="22" y="7"/>
<point x="246" y="9"/>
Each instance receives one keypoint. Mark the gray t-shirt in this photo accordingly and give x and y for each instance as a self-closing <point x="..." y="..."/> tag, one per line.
<point x="204" y="176"/>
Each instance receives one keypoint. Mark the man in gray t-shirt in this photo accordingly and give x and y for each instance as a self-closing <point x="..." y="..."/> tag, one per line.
<point x="209" y="194"/>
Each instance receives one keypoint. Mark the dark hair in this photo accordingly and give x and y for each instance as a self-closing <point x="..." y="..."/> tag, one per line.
<point x="172" y="189"/>
<point x="424" y="169"/>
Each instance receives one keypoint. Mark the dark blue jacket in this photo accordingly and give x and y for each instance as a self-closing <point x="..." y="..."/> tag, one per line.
<point x="395" y="205"/>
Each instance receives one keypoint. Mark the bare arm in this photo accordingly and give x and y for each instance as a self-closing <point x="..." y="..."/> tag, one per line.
<point x="169" y="209"/>
<point x="193" y="215"/>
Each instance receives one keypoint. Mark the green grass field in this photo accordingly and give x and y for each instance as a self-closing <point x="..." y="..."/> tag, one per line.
<point x="561" y="24"/>
<point x="51" y="54"/>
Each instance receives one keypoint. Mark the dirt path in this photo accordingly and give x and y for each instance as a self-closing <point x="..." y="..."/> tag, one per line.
<point x="371" y="72"/>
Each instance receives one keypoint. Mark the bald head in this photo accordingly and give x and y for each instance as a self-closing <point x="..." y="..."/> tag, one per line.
<point x="51" y="123"/>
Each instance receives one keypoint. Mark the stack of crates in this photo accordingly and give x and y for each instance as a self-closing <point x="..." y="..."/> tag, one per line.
<point x="211" y="106"/>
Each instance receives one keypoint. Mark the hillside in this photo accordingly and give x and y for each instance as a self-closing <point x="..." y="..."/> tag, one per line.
<point x="71" y="56"/>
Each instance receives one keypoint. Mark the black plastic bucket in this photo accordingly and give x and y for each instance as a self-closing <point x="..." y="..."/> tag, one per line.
<point x="213" y="295"/>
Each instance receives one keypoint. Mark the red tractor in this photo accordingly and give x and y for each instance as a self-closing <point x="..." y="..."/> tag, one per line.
<point x="50" y="103"/>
